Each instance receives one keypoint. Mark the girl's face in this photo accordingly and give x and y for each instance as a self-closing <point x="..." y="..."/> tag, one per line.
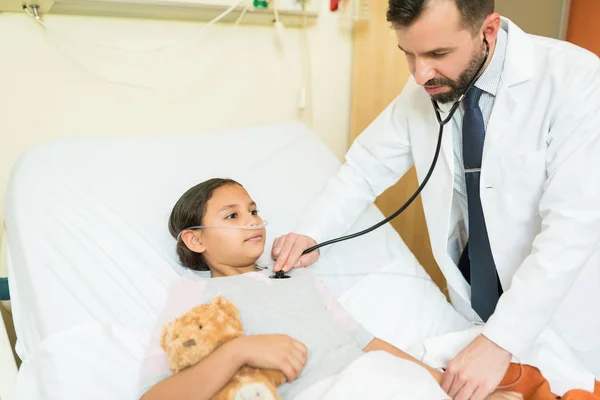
<point x="223" y="249"/>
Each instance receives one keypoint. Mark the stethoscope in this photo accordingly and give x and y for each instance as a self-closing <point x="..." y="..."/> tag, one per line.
<point x="442" y="123"/>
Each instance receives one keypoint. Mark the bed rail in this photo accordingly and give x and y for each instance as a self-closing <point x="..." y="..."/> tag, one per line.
<point x="4" y="293"/>
<point x="8" y="366"/>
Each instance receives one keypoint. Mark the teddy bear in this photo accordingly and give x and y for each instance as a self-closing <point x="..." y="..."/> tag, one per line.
<point x="194" y="335"/>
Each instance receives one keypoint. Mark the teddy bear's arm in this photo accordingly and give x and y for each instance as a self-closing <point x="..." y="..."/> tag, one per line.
<point x="203" y="380"/>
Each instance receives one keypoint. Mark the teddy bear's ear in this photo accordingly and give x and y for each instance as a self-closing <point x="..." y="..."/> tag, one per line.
<point x="226" y="306"/>
<point x="165" y="332"/>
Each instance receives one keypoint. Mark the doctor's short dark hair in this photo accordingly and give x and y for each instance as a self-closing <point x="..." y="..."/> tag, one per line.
<point x="403" y="13"/>
<point x="189" y="211"/>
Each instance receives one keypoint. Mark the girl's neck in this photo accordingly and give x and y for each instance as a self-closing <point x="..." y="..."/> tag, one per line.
<point x="219" y="271"/>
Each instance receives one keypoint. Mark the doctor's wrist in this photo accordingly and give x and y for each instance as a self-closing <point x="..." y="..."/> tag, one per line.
<point x="499" y="343"/>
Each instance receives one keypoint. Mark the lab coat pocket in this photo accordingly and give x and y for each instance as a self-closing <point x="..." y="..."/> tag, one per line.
<point x="523" y="177"/>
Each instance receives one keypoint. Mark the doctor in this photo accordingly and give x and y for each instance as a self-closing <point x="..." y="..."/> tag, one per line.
<point x="513" y="205"/>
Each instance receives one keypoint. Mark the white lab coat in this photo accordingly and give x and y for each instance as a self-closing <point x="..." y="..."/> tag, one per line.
<point x="540" y="192"/>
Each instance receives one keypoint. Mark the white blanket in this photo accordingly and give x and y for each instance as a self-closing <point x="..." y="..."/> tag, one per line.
<point x="377" y="375"/>
<point x="111" y="357"/>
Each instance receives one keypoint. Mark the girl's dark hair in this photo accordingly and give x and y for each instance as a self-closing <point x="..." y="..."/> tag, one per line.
<point x="189" y="211"/>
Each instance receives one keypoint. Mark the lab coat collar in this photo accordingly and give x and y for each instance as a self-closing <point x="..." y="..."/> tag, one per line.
<point x="519" y="63"/>
<point x="519" y="66"/>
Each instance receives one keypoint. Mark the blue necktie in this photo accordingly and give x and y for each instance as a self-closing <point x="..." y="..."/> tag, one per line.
<point x="485" y="288"/>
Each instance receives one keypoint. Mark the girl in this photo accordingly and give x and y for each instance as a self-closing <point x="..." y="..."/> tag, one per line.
<point x="293" y="325"/>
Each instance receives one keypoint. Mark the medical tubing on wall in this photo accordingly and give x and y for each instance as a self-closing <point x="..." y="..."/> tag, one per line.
<point x="395" y="214"/>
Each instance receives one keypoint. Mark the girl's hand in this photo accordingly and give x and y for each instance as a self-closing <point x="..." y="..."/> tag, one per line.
<point x="279" y="352"/>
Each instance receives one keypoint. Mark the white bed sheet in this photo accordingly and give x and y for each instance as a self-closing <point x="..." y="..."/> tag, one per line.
<point x="377" y="375"/>
<point x="88" y="240"/>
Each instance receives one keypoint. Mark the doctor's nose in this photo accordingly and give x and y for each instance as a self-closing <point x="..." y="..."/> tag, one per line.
<point x="422" y="72"/>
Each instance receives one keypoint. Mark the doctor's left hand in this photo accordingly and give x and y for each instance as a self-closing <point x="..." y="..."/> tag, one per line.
<point x="476" y="371"/>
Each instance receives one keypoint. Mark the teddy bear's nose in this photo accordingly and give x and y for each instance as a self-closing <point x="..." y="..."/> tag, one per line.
<point x="189" y="343"/>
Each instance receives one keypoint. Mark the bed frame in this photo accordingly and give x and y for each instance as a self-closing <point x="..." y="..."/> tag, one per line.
<point x="8" y="365"/>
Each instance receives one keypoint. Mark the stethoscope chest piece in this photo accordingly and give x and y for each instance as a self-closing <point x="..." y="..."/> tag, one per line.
<point x="279" y="275"/>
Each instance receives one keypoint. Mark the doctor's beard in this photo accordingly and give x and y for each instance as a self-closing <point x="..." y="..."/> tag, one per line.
<point x="460" y="85"/>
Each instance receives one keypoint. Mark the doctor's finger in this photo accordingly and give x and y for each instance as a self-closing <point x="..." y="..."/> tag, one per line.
<point x="482" y="393"/>
<point x="447" y="381"/>
<point x="276" y="247"/>
<point x="294" y="257"/>
<point x="285" y="251"/>
<point x="281" y="249"/>
<point x="466" y="393"/>
<point x="459" y="388"/>
<point x="308" y="259"/>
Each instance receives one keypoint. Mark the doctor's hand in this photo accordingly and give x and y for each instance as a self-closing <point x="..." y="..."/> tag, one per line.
<point x="287" y="252"/>
<point x="476" y="371"/>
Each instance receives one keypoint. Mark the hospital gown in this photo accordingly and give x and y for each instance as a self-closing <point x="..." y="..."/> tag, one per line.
<point x="300" y="307"/>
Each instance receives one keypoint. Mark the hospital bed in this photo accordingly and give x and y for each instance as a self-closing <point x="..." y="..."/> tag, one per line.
<point x="90" y="257"/>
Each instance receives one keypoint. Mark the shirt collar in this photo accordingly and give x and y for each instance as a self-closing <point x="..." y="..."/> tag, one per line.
<point x="490" y="79"/>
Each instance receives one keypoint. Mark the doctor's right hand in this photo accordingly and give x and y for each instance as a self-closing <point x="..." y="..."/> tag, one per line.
<point x="287" y="252"/>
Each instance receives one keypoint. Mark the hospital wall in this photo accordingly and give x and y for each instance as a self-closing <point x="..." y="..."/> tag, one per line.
<point x="584" y="29"/>
<point x="95" y="77"/>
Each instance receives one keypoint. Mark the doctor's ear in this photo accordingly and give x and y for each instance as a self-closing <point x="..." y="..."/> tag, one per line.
<point x="193" y="242"/>
<point x="490" y="27"/>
